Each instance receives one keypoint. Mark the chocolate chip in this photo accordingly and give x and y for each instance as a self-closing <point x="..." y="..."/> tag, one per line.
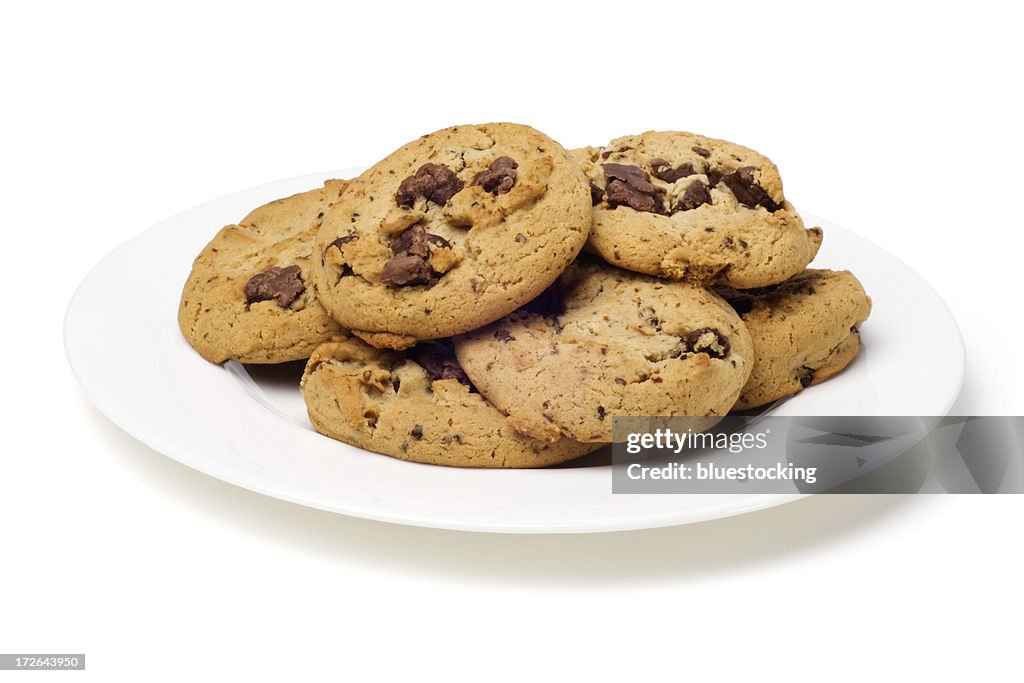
<point x="499" y="177"/>
<point x="396" y="383"/>
<point x="806" y="376"/>
<point x="503" y="335"/>
<point x="707" y="340"/>
<point x="438" y="360"/>
<point x="714" y="177"/>
<point x="405" y="270"/>
<point x="743" y="185"/>
<point x="631" y="185"/>
<point x="520" y="238"/>
<point x="601" y="412"/>
<point x="417" y="432"/>
<point x="435" y="182"/>
<point x="696" y="194"/>
<point x="596" y="194"/>
<point x="281" y="284"/>
<point x="647" y="315"/>
<point x="342" y="241"/>
<point x="663" y="170"/>
<point x="438" y="241"/>
<point x="410" y="260"/>
<point x="412" y="240"/>
<point x="619" y="380"/>
<point x="701" y="151"/>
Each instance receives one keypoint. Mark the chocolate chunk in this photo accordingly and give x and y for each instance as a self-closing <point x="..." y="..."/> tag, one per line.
<point x="405" y="270"/>
<point x="806" y="376"/>
<point x="437" y="358"/>
<point x="747" y="191"/>
<point x="281" y="284"/>
<point x="499" y="177"/>
<point x="596" y="194"/>
<point x="701" y="151"/>
<point x="435" y="182"/>
<point x="707" y="340"/>
<point x="601" y="412"/>
<point x="631" y="185"/>
<point x="417" y="432"/>
<point x="413" y="240"/>
<point x="342" y="241"/>
<point x="695" y="195"/>
<point x="714" y="177"/>
<point x="438" y="241"/>
<point x="663" y="170"/>
<point x="410" y="260"/>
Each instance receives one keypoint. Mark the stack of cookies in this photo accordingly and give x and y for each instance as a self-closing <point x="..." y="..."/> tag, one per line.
<point x="484" y="298"/>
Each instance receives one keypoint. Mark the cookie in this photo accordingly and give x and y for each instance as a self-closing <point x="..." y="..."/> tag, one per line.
<point x="687" y="207"/>
<point x="450" y="232"/>
<point x="804" y="330"/>
<point x="416" y="406"/>
<point x="249" y="297"/>
<point x="605" y="342"/>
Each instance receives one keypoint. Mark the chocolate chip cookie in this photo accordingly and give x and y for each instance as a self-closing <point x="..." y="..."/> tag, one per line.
<point x="804" y="330"/>
<point x="450" y="232"/>
<point x="416" y="406"/>
<point x="687" y="207"/>
<point x="604" y="342"/>
<point x="248" y="297"/>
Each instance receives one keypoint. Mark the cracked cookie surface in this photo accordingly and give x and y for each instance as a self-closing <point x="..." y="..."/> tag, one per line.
<point x="804" y="331"/>
<point x="249" y="297"/>
<point x="604" y="342"/>
<point x="689" y="207"/>
<point x="416" y="406"/>
<point x="450" y="232"/>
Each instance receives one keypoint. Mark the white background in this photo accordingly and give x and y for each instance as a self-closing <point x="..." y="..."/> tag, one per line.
<point x="902" y="124"/>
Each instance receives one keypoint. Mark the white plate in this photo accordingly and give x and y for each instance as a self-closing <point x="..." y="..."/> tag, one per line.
<point x="248" y="426"/>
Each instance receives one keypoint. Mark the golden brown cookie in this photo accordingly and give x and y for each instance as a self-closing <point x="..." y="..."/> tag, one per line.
<point x="248" y="297"/>
<point x="416" y="406"/>
<point x="450" y="232"/>
<point x="688" y="207"/>
<point x="804" y="330"/>
<point x="605" y="342"/>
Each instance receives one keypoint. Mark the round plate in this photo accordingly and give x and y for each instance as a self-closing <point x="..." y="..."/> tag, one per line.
<point x="247" y="424"/>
